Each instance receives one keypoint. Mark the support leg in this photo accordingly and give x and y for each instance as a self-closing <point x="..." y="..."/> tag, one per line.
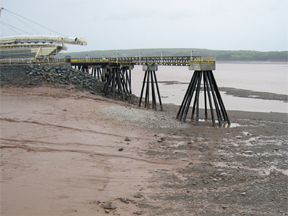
<point x="113" y="82"/>
<point x="205" y="99"/>
<point x="109" y="81"/>
<point x="223" y="110"/>
<point x="158" y="92"/>
<point x="185" y="99"/>
<point x="197" y="96"/>
<point x="153" y="93"/>
<point x="193" y="85"/>
<point x="214" y="98"/>
<point x="209" y="98"/>
<point x="143" y="85"/>
<point x="147" y="92"/>
<point x="120" y="90"/>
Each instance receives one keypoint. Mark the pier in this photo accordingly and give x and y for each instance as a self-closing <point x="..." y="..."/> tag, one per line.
<point x="116" y="73"/>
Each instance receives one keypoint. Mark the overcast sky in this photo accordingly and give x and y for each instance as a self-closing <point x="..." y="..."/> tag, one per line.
<point x="126" y="24"/>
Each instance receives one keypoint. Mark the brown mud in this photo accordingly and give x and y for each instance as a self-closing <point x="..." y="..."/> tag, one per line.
<point x="65" y="152"/>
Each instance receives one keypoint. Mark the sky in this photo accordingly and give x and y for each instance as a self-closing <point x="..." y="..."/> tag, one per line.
<point x="260" y="25"/>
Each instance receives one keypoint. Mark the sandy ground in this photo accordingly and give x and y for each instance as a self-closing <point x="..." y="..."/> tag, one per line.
<point x="73" y="153"/>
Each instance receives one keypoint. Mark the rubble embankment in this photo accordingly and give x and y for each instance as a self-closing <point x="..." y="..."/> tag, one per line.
<point x="55" y="75"/>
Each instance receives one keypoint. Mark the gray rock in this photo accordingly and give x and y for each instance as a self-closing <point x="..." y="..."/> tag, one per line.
<point x="138" y="195"/>
<point x="109" y="206"/>
<point x="248" y="152"/>
<point x="127" y="139"/>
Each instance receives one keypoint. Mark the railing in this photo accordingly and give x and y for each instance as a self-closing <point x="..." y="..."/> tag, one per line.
<point x="29" y="61"/>
<point x="93" y="60"/>
<point x="14" y="61"/>
<point x="168" y="60"/>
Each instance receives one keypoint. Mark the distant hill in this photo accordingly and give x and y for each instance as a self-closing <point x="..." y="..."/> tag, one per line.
<point x="221" y="55"/>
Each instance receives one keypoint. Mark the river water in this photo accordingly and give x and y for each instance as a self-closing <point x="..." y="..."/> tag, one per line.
<point x="263" y="77"/>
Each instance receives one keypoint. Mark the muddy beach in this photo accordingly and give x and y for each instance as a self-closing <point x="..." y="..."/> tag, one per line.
<point x="68" y="152"/>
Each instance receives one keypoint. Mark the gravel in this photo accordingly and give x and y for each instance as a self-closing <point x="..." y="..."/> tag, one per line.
<point x="141" y="117"/>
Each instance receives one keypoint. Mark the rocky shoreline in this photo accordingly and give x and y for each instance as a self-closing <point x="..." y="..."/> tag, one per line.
<point x="59" y="75"/>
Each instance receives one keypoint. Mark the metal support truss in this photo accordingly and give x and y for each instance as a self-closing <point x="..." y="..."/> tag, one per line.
<point x="150" y="77"/>
<point x="118" y="79"/>
<point x="210" y="91"/>
<point x="99" y="73"/>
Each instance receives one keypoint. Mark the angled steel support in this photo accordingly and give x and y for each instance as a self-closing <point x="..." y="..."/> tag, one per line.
<point x="211" y="91"/>
<point x="150" y="77"/>
<point x="118" y="79"/>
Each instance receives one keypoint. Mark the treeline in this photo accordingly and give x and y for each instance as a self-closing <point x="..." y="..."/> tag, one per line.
<point x="221" y="55"/>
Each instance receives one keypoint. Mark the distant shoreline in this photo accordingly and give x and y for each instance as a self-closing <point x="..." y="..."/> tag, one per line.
<point x="250" y="62"/>
<point x="221" y="55"/>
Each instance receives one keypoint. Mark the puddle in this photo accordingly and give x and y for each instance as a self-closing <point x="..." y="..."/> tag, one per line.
<point x="232" y="125"/>
<point x="246" y="133"/>
<point x="261" y="171"/>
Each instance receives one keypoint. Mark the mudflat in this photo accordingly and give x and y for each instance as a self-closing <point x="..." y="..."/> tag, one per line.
<point x="66" y="152"/>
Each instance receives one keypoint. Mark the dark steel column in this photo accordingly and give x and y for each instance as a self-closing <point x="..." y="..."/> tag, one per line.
<point x="150" y="75"/>
<point x="210" y="90"/>
<point x="118" y="81"/>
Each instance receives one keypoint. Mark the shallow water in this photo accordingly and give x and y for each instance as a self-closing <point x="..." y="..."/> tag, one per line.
<point x="264" y="77"/>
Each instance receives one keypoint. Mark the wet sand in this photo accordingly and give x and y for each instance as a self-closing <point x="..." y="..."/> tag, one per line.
<point x="72" y="153"/>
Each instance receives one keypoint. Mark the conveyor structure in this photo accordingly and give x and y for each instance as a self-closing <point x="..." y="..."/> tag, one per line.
<point x="36" y="47"/>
